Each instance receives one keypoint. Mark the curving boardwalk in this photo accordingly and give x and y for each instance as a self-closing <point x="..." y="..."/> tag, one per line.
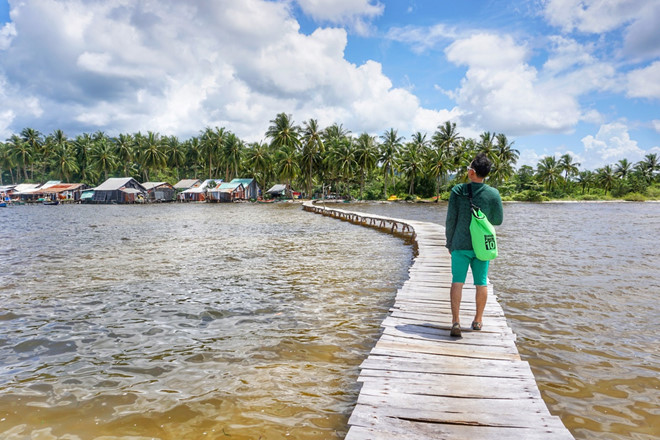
<point x="419" y="383"/>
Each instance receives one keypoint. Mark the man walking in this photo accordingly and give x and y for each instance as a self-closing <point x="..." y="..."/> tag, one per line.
<point x="459" y="243"/>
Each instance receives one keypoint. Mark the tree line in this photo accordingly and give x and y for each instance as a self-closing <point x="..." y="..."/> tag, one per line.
<point x="315" y="160"/>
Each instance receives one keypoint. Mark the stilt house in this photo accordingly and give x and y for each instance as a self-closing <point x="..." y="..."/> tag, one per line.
<point x="159" y="192"/>
<point x="252" y="190"/>
<point x="227" y="192"/>
<point x="119" y="190"/>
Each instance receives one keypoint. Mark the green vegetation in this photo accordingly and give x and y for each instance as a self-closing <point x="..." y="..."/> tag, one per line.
<point x="313" y="160"/>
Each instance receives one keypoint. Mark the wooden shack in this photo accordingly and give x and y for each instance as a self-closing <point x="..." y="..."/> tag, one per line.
<point x="280" y="190"/>
<point x="119" y="190"/>
<point x="183" y="185"/>
<point x="198" y="193"/>
<point x="159" y="192"/>
<point x="252" y="190"/>
<point x="226" y="192"/>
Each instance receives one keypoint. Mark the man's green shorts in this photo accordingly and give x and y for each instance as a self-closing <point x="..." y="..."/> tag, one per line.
<point x="461" y="260"/>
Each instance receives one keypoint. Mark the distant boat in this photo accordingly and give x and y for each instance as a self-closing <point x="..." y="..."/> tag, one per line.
<point x="51" y="202"/>
<point x="3" y="204"/>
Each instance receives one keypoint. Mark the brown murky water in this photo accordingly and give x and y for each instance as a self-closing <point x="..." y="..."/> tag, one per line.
<point x="187" y="321"/>
<point x="250" y="321"/>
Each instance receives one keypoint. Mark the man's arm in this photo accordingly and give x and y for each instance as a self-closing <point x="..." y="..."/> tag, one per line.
<point x="452" y="218"/>
<point x="497" y="212"/>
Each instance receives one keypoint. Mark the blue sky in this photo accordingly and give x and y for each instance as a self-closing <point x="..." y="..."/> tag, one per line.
<point x="556" y="76"/>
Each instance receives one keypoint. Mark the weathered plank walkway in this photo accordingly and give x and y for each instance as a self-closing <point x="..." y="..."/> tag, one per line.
<point x="420" y="383"/>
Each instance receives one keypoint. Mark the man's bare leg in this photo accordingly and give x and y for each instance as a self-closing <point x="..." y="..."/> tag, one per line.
<point x="455" y="294"/>
<point x="480" y="298"/>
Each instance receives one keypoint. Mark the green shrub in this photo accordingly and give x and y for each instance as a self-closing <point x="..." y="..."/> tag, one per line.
<point x="653" y="192"/>
<point x="529" y="195"/>
<point x="634" y="197"/>
<point x="588" y="197"/>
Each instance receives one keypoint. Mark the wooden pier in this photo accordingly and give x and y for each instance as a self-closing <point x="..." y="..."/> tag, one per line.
<point x="418" y="382"/>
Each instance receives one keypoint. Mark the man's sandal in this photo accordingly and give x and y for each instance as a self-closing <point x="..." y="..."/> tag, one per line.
<point x="455" y="330"/>
<point x="476" y="325"/>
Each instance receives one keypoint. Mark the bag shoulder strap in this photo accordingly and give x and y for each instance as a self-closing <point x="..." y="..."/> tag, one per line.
<point x="472" y="205"/>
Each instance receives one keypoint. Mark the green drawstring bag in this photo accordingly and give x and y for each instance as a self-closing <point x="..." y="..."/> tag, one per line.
<point x="484" y="240"/>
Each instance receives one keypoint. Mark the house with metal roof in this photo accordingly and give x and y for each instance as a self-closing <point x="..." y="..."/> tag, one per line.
<point x="28" y="192"/>
<point x="159" y="191"/>
<point x="63" y="191"/>
<point x="226" y="192"/>
<point x="185" y="184"/>
<point x="119" y="190"/>
<point x="198" y="193"/>
<point x="252" y="190"/>
<point x="279" y="190"/>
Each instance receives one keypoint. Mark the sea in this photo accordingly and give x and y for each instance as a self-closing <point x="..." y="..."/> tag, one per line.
<point x="250" y="321"/>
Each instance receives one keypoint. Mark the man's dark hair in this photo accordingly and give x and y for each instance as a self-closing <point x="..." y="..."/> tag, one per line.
<point x="481" y="165"/>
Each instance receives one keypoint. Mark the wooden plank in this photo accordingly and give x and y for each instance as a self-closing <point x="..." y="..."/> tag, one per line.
<point x="379" y="382"/>
<point x="432" y="364"/>
<point x="521" y="413"/>
<point x="464" y="351"/>
<point x="366" y="427"/>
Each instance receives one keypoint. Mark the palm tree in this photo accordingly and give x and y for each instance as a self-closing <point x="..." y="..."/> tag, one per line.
<point x="62" y="155"/>
<point x="194" y="154"/>
<point x="585" y="179"/>
<point x="6" y="162"/>
<point x="410" y="161"/>
<point x="463" y="155"/>
<point x="103" y="157"/>
<point x="505" y="159"/>
<point x="446" y="137"/>
<point x="287" y="163"/>
<point x="342" y="160"/>
<point x="437" y="165"/>
<point x="21" y="153"/>
<point x="125" y="150"/>
<point x="366" y="157"/>
<point x="152" y="154"/>
<point x="176" y="154"/>
<point x="487" y="144"/>
<point x="283" y="133"/>
<point x="212" y="142"/>
<point x="259" y="159"/>
<point x="389" y="150"/>
<point x="549" y="172"/>
<point x="336" y="132"/>
<point x="33" y="139"/>
<point x="83" y="146"/>
<point x="569" y="168"/>
<point x="312" y="150"/>
<point x="649" y="166"/>
<point x="623" y="169"/>
<point x="64" y="159"/>
<point x="232" y="154"/>
<point x="605" y="177"/>
<point x="332" y="137"/>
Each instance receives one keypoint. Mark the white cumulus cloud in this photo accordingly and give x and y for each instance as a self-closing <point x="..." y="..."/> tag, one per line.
<point x="611" y="144"/>
<point x="177" y="67"/>
<point x="593" y="16"/>
<point x="356" y="14"/>
<point x="502" y="92"/>
<point x="645" y="83"/>
<point x="656" y="125"/>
